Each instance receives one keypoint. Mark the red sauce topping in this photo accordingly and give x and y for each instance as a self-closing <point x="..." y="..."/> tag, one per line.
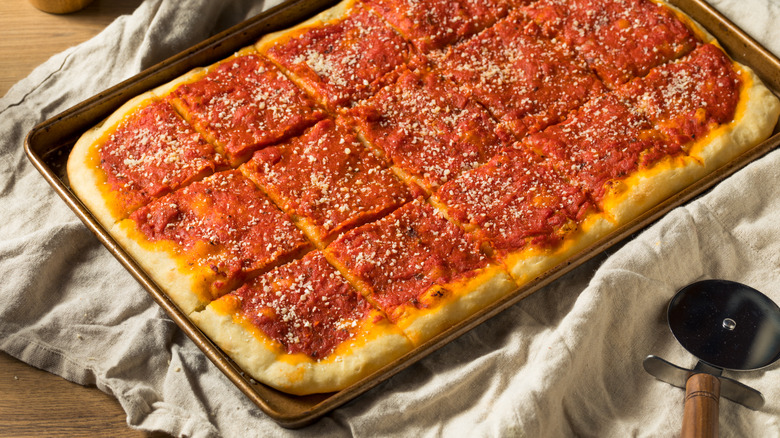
<point x="620" y="39"/>
<point x="516" y="198"/>
<point x="433" y="24"/>
<point x="602" y="141"/>
<point x="223" y="222"/>
<point x="244" y="104"/>
<point x="688" y="98"/>
<point x="328" y="177"/>
<point x="407" y="252"/>
<point x="306" y="306"/>
<point x="526" y="82"/>
<point x="427" y="128"/>
<point x="345" y="61"/>
<point x="549" y="15"/>
<point x="153" y="152"/>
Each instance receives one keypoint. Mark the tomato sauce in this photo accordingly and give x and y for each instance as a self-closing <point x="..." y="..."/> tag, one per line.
<point x="344" y="61"/>
<point x="516" y="199"/>
<point x="406" y="253"/>
<point x="244" y="104"/>
<point x="688" y="98"/>
<point x="602" y="141"/>
<point x="152" y="152"/>
<point x="428" y="128"/>
<point x="433" y="24"/>
<point x="525" y="81"/>
<point x="306" y="306"/>
<point x="223" y="222"/>
<point x="619" y="39"/>
<point x="328" y="177"/>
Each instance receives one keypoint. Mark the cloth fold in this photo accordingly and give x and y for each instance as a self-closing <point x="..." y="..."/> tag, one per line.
<point x="566" y="361"/>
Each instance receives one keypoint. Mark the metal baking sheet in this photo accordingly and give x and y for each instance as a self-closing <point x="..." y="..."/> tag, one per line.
<point x="49" y="143"/>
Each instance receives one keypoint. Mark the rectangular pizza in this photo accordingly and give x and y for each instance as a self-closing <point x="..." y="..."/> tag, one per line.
<point x="342" y="192"/>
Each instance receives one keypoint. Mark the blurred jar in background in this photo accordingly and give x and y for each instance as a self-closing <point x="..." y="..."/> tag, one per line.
<point x="60" y="6"/>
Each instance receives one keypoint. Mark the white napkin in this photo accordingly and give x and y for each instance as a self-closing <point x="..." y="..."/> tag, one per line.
<point x="566" y="361"/>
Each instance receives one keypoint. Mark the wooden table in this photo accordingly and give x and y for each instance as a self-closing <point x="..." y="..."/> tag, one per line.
<point x="28" y="37"/>
<point x="34" y="403"/>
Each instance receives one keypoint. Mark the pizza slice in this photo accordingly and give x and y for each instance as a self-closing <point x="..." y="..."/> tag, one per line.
<point x="531" y="218"/>
<point x="141" y="152"/>
<point x="526" y="82"/>
<point x="327" y="181"/>
<point x="619" y="39"/>
<point x="200" y="242"/>
<point x="242" y="104"/>
<point x="434" y="24"/>
<point x="609" y="150"/>
<point x="631" y="149"/>
<point x="302" y="329"/>
<point x="711" y="105"/>
<point x="429" y="130"/>
<point x="339" y="57"/>
<point x="424" y="272"/>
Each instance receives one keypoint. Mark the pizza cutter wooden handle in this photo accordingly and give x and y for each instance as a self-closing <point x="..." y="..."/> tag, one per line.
<point x="702" y="399"/>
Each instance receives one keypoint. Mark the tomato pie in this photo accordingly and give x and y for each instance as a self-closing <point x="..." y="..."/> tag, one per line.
<point x="325" y="201"/>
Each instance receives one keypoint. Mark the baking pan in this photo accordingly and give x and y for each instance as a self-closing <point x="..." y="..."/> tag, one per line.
<point x="49" y="143"/>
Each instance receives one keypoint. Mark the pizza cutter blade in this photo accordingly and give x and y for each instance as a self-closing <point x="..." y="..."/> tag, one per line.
<point x="726" y="325"/>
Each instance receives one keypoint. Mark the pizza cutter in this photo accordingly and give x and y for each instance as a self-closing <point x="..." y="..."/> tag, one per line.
<point x="726" y="325"/>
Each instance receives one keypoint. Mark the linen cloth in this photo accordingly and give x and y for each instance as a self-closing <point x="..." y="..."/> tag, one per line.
<point x="566" y="361"/>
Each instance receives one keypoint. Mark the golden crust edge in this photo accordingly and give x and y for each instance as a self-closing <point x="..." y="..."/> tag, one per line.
<point x="466" y="298"/>
<point x="186" y="289"/>
<point x="531" y="262"/>
<point x="375" y="345"/>
<point x="757" y="116"/>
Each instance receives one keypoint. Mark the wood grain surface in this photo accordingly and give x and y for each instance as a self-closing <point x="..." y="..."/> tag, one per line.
<point x="28" y="37"/>
<point x="34" y="403"/>
<point x="702" y="401"/>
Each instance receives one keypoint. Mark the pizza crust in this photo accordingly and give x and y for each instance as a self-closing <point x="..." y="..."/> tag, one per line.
<point x="374" y="345"/>
<point x="441" y="306"/>
<point x="461" y="300"/>
<point x="187" y="286"/>
<point x="757" y="113"/>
